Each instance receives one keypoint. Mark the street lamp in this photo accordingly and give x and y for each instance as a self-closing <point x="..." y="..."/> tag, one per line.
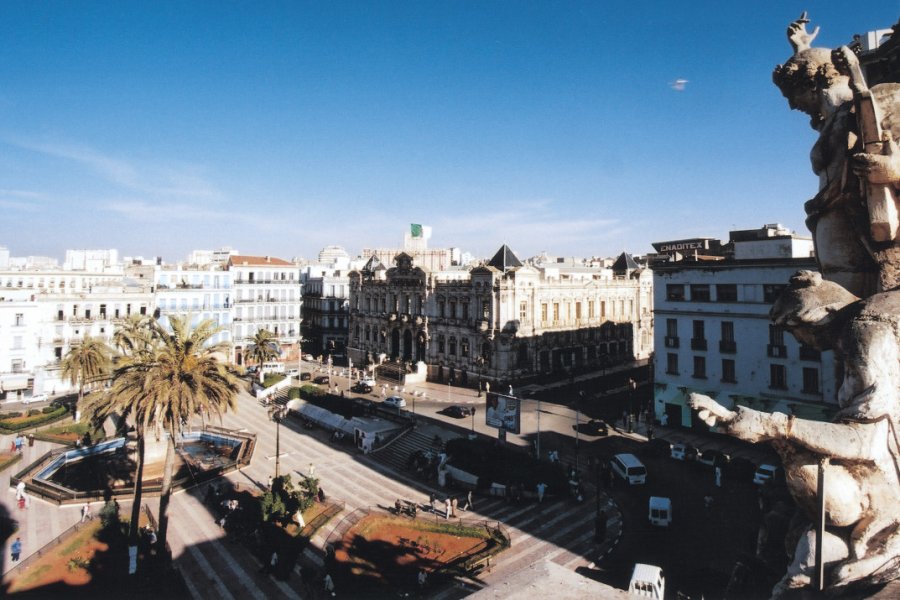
<point x="277" y="413"/>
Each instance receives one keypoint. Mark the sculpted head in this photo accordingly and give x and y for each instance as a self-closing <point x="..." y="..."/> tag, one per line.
<point x="807" y="307"/>
<point x="805" y="77"/>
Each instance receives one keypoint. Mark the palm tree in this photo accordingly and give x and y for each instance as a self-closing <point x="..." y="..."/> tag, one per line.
<point x="182" y="379"/>
<point x="85" y="363"/>
<point x="263" y="348"/>
<point x="133" y="336"/>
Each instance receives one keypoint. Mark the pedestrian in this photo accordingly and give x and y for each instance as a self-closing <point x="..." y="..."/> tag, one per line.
<point x="510" y="391"/>
<point x="312" y="469"/>
<point x="432" y="498"/>
<point x="664" y="420"/>
<point x="269" y="567"/>
<point x="541" y="488"/>
<point x="86" y="514"/>
<point x="18" y="444"/>
<point x="22" y="502"/>
<point x="20" y="490"/>
<point x="649" y="433"/>
<point x="298" y="517"/>
<point x="468" y="500"/>
<point x="718" y="477"/>
<point x="707" y="501"/>
<point x="329" y="584"/>
<point x="600" y="526"/>
<point x="15" y="549"/>
<point x="447" y="507"/>
<point x="453" y="504"/>
<point x="423" y="578"/>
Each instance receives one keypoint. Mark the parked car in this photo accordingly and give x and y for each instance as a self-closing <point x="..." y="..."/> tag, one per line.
<point x="309" y="357"/>
<point x="395" y="401"/>
<point x="765" y="473"/>
<point x="361" y="388"/>
<point x="656" y="448"/>
<point x="458" y="411"/>
<point x="592" y="427"/>
<point x="251" y="370"/>
<point x="713" y="458"/>
<point x="369" y="381"/>
<point x="305" y="376"/>
<point x="35" y="398"/>
<point x="740" y="469"/>
<point x="321" y="379"/>
<point x="682" y="451"/>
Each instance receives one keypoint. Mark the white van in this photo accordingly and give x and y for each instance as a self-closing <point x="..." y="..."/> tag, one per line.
<point x="273" y="367"/>
<point x="629" y="468"/>
<point x="647" y="581"/>
<point x="660" y="511"/>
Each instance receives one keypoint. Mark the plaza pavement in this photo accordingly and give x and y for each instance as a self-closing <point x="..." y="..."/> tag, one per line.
<point x="213" y="567"/>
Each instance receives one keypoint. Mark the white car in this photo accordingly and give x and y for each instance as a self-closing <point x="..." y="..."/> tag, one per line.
<point x="369" y="381"/>
<point x="35" y="398"/>
<point x="395" y="401"/>
<point x="682" y="451"/>
<point x="764" y="473"/>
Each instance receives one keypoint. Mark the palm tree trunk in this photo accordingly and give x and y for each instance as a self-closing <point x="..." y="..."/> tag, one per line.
<point x="166" y="492"/>
<point x="138" y="487"/>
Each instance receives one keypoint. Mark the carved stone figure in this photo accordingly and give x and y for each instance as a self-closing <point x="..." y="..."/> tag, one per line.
<point x="817" y="82"/>
<point x="852" y="308"/>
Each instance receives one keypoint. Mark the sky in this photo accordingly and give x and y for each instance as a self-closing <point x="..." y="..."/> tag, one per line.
<point x="278" y="128"/>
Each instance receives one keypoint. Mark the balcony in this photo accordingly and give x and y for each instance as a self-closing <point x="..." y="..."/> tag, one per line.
<point x="698" y="344"/>
<point x="776" y="351"/>
<point x="671" y="341"/>
<point x="727" y="346"/>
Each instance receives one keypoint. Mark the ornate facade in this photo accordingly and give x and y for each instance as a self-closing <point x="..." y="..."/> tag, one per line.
<point x="503" y="321"/>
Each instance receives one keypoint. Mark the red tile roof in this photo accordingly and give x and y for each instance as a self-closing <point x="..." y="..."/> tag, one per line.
<point x="262" y="261"/>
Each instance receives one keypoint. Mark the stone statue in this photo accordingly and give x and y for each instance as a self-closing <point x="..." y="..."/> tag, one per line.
<point x="852" y="308"/>
<point x="861" y="447"/>
<point x="818" y="82"/>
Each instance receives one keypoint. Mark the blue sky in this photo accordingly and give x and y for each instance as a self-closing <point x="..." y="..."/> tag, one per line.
<point x="281" y="127"/>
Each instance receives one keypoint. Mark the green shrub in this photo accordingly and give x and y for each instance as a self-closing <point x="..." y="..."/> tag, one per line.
<point x="271" y="379"/>
<point x="36" y="419"/>
<point x="48" y="409"/>
<point x="10" y="415"/>
<point x="34" y="412"/>
<point x="293" y="393"/>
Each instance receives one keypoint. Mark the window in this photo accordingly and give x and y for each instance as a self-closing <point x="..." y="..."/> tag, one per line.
<point x="465" y="311"/>
<point x="672" y="327"/>
<point x="464" y="347"/>
<point x="441" y="311"/>
<point x="578" y="310"/>
<point x="771" y="292"/>
<point x="728" y="375"/>
<point x="699" y="367"/>
<point x="698" y="342"/>
<point x="672" y="364"/>
<point x="675" y="292"/>
<point x="523" y="311"/>
<point x="726" y="292"/>
<point x="727" y="344"/>
<point x="700" y="292"/>
<point x="544" y="312"/>
<point x="810" y="380"/>
<point x="452" y="346"/>
<point x="20" y="318"/>
<point x="809" y="353"/>
<point x="452" y="309"/>
<point x="485" y="310"/>
<point x="591" y="314"/>
<point x="777" y="377"/>
<point x="441" y="344"/>
<point x="671" y="340"/>
<point x="555" y="312"/>
<point x="776" y="348"/>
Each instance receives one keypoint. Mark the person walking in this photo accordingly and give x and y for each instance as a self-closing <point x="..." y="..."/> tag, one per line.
<point x="650" y="433"/>
<point x="432" y="498"/>
<point x="15" y="550"/>
<point x="20" y="490"/>
<point x="86" y="514"/>
<point x="447" y="507"/>
<point x="453" y="504"/>
<point x="269" y="567"/>
<point x="468" y="500"/>
<point x="541" y="488"/>
<point x="329" y="584"/>
<point x="718" y="476"/>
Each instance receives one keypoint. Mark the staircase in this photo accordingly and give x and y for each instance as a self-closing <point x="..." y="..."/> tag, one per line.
<point x="396" y="455"/>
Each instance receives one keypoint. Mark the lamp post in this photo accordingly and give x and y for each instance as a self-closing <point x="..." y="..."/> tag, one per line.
<point x="277" y="414"/>
<point x="537" y="446"/>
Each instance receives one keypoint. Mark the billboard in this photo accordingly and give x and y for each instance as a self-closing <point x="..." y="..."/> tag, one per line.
<point x="503" y="412"/>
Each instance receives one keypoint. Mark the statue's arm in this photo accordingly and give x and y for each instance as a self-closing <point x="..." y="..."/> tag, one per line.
<point x="850" y="441"/>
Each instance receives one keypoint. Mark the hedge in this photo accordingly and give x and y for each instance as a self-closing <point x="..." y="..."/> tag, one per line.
<point x="501" y="465"/>
<point x="31" y="421"/>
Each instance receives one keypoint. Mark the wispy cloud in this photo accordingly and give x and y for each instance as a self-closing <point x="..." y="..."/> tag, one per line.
<point x="137" y="176"/>
<point x="21" y="200"/>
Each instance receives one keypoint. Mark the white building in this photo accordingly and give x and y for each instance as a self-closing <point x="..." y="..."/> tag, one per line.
<point x="713" y="333"/>
<point x="267" y="295"/>
<point x="203" y="292"/>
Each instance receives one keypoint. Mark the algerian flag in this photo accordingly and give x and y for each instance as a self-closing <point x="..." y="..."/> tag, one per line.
<point x="415" y="230"/>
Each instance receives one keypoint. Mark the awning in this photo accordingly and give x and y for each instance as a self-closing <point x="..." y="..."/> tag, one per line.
<point x="13" y="382"/>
